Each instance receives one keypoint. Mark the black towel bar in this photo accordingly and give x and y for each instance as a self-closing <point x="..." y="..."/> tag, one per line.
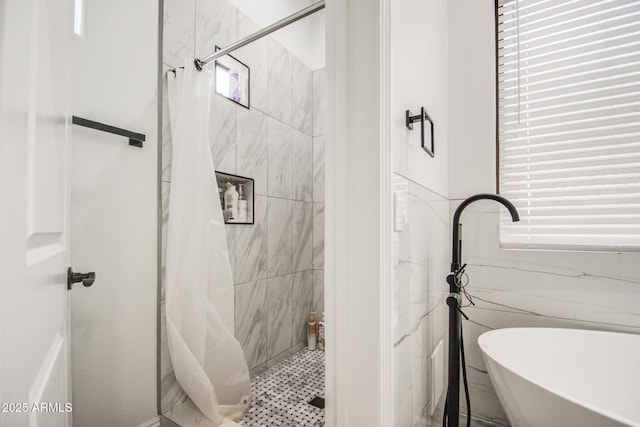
<point x="135" y="139"/>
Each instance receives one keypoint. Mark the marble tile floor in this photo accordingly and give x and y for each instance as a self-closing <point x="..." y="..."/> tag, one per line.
<point x="281" y="394"/>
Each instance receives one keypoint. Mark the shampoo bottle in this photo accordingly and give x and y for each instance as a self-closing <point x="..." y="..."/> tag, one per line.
<point x="242" y="205"/>
<point x="311" y="331"/>
<point x="231" y="200"/>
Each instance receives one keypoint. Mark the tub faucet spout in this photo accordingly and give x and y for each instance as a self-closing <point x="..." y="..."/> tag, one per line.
<point x="456" y="257"/>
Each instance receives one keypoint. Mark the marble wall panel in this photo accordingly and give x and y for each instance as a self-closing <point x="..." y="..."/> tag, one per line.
<point x="231" y="231"/>
<point x="252" y="148"/>
<point x="251" y="322"/>
<point x="302" y="235"/>
<point x="302" y="300"/>
<point x="318" y="235"/>
<point x="302" y="166"/>
<point x="302" y="92"/>
<point x="318" y="169"/>
<point x="420" y="261"/>
<point x="319" y="102"/>
<point x="215" y="25"/>
<point x="178" y="32"/>
<point x="279" y="315"/>
<point x="255" y="56"/>
<point x="222" y="133"/>
<point x="319" y="106"/>
<point x="318" y="291"/>
<point x="251" y="245"/>
<point x="280" y="158"/>
<point x="280" y="237"/>
<point x="279" y="82"/>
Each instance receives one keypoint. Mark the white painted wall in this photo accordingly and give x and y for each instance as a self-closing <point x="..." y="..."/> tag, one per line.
<point x="586" y="290"/>
<point x="114" y="215"/>
<point x="419" y="77"/>
<point x="358" y="375"/>
<point x="472" y="92"/>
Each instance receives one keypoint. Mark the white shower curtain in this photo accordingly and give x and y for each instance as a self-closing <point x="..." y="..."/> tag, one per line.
<point x="207" y="359"/>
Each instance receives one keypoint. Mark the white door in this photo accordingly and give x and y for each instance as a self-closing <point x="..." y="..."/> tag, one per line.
<point x="34" y="211"/>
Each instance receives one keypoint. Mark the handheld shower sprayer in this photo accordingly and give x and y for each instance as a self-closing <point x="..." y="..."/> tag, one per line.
<point x="456" y="349"/>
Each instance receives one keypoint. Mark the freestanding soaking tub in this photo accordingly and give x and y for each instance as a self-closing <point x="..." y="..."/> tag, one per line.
<point x="565" y="377"/>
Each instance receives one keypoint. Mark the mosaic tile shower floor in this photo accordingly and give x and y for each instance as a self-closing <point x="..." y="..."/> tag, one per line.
<point x="282" y="393"/>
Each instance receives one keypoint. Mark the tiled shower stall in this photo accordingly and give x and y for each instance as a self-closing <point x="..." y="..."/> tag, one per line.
<point x="278" y="262"/>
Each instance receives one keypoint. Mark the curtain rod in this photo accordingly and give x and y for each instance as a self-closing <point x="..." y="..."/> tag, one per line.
<point x="199" y="63"/>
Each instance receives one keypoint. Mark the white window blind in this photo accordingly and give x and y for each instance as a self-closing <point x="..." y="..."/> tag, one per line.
<point x="569" y="123"/>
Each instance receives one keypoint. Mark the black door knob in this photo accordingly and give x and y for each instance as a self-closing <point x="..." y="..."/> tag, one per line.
<point x="87" y="279"/>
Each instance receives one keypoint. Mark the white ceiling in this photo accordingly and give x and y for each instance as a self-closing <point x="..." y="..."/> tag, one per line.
<point x="305" y="38"/>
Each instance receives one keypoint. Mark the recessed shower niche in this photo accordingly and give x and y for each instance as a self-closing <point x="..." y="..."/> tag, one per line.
<point x="236" y="198"/>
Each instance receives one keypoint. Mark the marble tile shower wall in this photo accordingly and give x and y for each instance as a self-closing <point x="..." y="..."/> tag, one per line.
<point x="420" y="266"/>
<point x="278" y="262"/>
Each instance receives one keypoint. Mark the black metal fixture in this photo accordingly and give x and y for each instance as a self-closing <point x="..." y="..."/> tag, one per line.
<point x="237" y="74"/>
<point x="135" y="139"/>
<point x="456" y="347"/>
<point x="425" y="121"/>
<point x="87" y="279"/>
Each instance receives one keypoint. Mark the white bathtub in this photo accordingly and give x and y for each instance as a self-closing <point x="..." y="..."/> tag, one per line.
<point x="565" y="377"/>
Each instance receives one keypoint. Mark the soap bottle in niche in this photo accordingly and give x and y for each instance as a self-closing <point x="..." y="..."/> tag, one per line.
<point x="231" y="201"/>
<point x="321" y="333"/>
<point x="242" y="205"/>
<point x="311" y="331"/>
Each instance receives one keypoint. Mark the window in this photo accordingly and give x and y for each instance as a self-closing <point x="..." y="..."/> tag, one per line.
<point x="569" y="123"/>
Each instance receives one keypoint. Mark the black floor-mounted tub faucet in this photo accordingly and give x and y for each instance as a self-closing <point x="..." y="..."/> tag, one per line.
<point x="452" y="406"/>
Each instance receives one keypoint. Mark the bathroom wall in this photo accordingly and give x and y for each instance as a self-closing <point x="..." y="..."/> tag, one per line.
<point x="113" y="215"/>
<point x="278" y="262"/>
<point x="588" y="290"/>
<point x="421" y="187"/>
<point x="304" y="38"/>
<point x="420" y="265"/>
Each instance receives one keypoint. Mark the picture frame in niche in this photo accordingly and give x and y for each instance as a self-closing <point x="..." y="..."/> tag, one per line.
<point x="236" y="198"/>
<point x="233" y="79"/>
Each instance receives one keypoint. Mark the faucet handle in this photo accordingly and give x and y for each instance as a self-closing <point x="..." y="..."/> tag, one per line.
<point x="453" y="278"/>
<point x="461" y="270"/>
